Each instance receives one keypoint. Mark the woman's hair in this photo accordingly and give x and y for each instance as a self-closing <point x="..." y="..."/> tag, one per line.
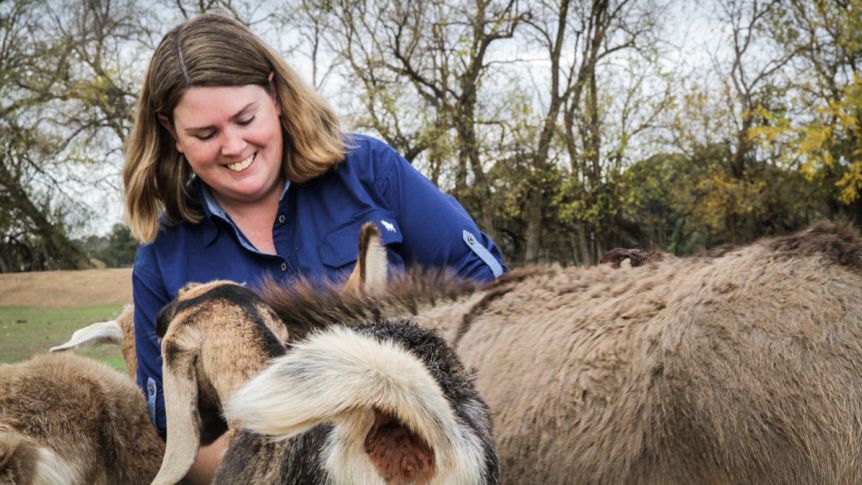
<point x="214" y="50"/>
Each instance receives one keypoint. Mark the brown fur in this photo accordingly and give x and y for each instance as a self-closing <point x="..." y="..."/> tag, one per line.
<point x="356" y="279"/>
<point x="88" y="414"/>
<point x="743" y="368"/>
<point x="126" y="321"/>
<point x="18" y="457"/>
<point x="213" y="339"/>
<point x="218" y="335"/>
<point x="305" y="306"/>
<point x="836" y="243"/>
<point x="636" y="257"/>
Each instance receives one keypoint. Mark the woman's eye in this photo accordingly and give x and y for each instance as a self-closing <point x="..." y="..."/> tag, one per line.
<point x="246" y="121"/>
<point x="205" y="136"/>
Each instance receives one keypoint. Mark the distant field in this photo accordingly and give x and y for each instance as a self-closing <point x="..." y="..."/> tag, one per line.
<point x="40" y="310"/>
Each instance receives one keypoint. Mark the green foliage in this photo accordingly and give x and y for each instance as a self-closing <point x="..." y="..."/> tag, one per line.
<point x="823" y="137"/>
<point x="116" y="249"/>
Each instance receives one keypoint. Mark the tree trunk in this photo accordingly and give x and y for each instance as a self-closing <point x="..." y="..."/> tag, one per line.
<point x="534" y="226"/>
<point x="59" y="251"/>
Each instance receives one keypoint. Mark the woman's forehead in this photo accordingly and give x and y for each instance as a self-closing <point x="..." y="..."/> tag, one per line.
<point x="202" y="106"/>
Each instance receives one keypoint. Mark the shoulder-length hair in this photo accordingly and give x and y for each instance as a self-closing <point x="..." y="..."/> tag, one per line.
<point x="214" y="50"/>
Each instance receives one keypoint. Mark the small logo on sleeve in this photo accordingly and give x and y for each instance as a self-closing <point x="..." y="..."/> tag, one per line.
<point x="388" y="225"/>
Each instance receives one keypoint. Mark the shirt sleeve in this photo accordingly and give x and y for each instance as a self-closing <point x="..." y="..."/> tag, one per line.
<point x="149" y="297"/>
<point x="436" y="229"/>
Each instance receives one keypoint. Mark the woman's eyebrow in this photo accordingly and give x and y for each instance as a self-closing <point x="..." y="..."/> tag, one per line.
<point x="236" y="116"/>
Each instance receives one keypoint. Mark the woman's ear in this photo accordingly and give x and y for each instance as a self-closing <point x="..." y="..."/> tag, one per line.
<point x="166" y="124"/>
<point x="273" y="93"/>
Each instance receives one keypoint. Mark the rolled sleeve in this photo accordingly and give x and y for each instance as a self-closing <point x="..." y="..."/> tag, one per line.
<point x="435" y="226"/>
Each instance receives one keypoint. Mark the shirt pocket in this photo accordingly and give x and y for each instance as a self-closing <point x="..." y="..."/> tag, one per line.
<point x="341" y="246"/>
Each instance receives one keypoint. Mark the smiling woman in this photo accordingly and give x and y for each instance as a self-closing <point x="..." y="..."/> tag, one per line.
<point x="237" y="170"/>
<point x="231" y="138"/>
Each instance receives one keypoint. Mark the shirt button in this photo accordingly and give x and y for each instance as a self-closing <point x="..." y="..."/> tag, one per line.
<point x="284" y="266"/>
<point x="281" y="218"/>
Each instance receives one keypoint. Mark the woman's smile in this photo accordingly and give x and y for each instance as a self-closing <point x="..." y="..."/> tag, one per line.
<point x="232" y="139"/>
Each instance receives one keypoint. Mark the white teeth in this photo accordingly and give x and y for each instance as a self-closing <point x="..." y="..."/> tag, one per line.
<point x="240" y="166"/>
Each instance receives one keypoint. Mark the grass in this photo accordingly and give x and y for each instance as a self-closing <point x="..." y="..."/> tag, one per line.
<point x="27" y="330"/>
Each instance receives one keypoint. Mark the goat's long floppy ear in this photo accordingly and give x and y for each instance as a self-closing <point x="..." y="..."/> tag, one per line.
<point x="120" y="331"/>
<point x="391" y="417"/>
<point x="369" y="275"/>
<point x="108" y="332"/>
<point x="181" y="397"/>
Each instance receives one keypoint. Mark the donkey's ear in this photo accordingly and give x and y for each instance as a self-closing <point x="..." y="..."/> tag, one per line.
<point x="369" y="275"/>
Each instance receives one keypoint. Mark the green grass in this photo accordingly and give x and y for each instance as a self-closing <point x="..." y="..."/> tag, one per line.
<point x="26" y="331"/>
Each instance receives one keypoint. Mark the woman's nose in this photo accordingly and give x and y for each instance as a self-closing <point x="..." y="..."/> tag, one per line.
<point x="232" y="143"/>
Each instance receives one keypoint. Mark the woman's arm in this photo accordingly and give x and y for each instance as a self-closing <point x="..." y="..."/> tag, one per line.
<point x="203" y="469"/>
<point x="149" y="296"/>
<point x="436" y="229"/>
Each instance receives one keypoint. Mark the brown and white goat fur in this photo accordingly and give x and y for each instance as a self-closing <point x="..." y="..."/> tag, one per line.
<point x="744" y="368"/>
<point x="66" y="419"/>
<point x="380" y="403"/>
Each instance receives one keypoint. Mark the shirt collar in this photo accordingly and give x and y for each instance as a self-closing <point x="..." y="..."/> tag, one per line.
<point x="212" y="208"/>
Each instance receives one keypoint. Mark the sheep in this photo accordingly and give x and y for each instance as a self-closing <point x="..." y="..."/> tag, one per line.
<point x="743" y="368"/>
<point x="384" y="402"/>
<point x="66" y="419"/>
<point x="120" y="331"/>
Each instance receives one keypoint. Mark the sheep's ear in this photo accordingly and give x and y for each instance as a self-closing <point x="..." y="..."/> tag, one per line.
<point x="369" y="275"/>
<point x="181" y="396"/>
<point x="108" y="332"/>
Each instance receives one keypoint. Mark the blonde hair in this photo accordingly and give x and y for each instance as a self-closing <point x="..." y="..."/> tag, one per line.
<point x="213" y="50"/>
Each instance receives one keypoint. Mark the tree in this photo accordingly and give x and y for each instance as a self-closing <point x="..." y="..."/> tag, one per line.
<point x="421" y="66"/>
<point x="822" y="138"/>
<point x="32" y="234"/>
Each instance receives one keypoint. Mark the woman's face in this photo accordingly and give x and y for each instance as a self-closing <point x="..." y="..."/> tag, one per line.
<point x="231" y="137"/>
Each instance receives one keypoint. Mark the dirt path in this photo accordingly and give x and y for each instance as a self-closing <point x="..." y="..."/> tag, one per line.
<point x="92" y="287"/>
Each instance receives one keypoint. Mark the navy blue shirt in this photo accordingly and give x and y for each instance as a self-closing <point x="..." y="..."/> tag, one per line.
<point x="316" y="235"/>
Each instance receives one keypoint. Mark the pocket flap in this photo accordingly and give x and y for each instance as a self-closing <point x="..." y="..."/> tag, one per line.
<point x="341" y="246"/>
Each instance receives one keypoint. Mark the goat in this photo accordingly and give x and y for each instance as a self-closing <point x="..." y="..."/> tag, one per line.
<point x="743" y="368"/>
<point x="120" y="331"/>
<point x="66" y="419"/>
<point x="385" y="402"/>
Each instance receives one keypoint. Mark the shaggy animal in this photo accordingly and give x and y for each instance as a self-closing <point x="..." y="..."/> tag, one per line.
<point x="66" y="419"/>
<point x="385" y="402"/>
<point x="744" y="368"/>
<point x="120" y="331"/>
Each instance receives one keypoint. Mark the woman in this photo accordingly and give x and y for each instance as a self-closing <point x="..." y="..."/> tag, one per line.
<point x="237" y="170"/>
